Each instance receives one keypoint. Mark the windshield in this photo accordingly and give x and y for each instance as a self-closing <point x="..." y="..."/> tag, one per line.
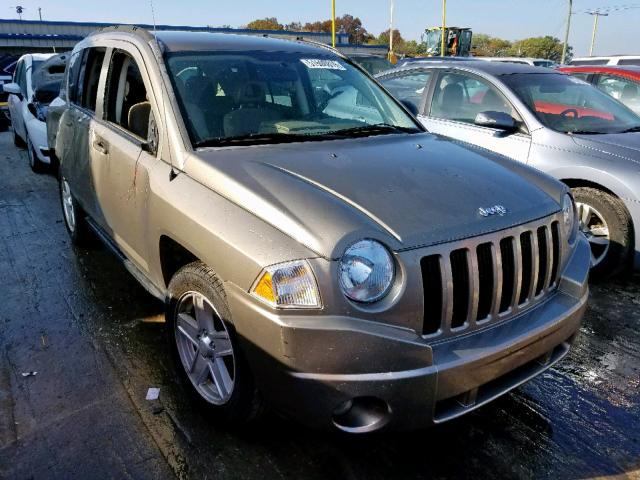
<point x="274" y="97"/>
<point x="35" y="65"/>
<point x="570" y="105"/>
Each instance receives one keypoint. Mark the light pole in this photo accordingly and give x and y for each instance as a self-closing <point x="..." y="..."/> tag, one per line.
<point x="595" y="14"/>
<point x="444" y="27"/>
<point x="390" y="56"/>
<point x="333" y="23"/>
<point x="566" y="33"/>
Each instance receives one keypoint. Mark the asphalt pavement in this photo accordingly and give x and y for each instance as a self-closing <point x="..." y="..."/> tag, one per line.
<point x="81" y="343"/>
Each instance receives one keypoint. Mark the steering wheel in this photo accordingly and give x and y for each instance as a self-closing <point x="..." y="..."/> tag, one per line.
<point x="565" y="113"/>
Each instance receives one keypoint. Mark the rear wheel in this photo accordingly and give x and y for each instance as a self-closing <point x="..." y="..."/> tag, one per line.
<point x="206" y="349"/>
<point x="34" y="162"/>
<point x="605" y="222"/>
<point x="74" y="218"/>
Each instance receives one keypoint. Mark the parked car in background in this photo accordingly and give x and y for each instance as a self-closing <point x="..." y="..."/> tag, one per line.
<point x="371" y="63"/>
<point x="36" y="82"/>
<point x="610" y="60"/>
<point x="622" y="83"/>
<point x="413" y="60"/>
<point x="554" y="122"/>
<point x="7" y="65"/>
<point x="342" y="264"/>
<point x="534" y="62"/>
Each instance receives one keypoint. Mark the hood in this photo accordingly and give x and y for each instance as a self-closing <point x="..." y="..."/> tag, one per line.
<point x="622" y="145"/>
<point x="407" y="191"/>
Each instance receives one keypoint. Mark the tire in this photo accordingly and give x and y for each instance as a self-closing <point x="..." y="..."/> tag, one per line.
<point x="599" y="213"/>
<point x="34" y="162"/>
<point x="201" y="344"/>
<point x="17" y="141"/>
<point x="74" y="217"/>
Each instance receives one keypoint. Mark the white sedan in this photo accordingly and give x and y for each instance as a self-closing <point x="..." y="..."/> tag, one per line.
<point x="27" y="114"/>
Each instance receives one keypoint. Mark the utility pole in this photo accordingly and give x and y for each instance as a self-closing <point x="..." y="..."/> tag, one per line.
<point x="40" y="13"/>
<point x="444" y="27"/>
<point x="333" y="23"/>
<point x="391" y="32"/>
<point x="595" y="14"/>
<point x="566" y="34"/>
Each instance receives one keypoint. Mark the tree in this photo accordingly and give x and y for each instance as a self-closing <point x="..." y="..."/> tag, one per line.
<point x="346" y="23"/>
<point x="539" y="47"/>
<point x="487" y="46"/>
<point x="293" y="26"/>
<point x="265" y="24"/>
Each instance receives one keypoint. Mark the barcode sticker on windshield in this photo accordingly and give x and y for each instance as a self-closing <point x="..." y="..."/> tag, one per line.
<point x="319" y="63"/>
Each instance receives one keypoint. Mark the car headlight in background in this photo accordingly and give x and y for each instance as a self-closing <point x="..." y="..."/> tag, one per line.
<point x="288" y="285"/>
<point x="366" y="271"/>
<point x="569" y="218"/>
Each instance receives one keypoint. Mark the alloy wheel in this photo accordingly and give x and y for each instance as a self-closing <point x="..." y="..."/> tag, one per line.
<point x="67" y="205"/>
<point x="595" y="228"/>
<point x="205" y="348"/>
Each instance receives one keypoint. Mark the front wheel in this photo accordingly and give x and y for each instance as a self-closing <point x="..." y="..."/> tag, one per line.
<point x="605" y="222"/>
<point x="205" y="347"/>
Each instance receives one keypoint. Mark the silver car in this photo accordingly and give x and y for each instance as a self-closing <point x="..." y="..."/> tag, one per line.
<point x="556" y="123"/>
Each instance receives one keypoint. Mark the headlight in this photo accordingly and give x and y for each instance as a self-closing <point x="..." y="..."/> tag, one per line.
<point x="569" y="218"/>
<point x="288" y="285"/>
<point x="366" y="271"/>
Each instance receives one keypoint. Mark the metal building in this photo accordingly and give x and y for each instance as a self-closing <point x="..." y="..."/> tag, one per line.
<point x="22" y="36"/>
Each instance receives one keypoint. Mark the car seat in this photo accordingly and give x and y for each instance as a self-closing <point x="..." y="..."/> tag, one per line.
<point x="252" y="111"/>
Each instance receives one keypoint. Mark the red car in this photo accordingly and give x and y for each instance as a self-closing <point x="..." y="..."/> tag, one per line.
<point x="622" y="83"/>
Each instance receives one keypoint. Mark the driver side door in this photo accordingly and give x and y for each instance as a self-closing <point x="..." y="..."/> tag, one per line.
<point x="452" y="108"/>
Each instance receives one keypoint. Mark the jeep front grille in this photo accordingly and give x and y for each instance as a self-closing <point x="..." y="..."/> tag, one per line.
<point x="478" y="281"/>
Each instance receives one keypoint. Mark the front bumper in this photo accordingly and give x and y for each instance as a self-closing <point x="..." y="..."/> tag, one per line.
<point x="335" y="371"/>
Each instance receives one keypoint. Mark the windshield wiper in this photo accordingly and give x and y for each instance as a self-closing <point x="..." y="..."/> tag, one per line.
<point x="584" y="132"/>
<point x="375" y="128"/>
<point x="250" y="138"/>
<point x="631" y="130"/>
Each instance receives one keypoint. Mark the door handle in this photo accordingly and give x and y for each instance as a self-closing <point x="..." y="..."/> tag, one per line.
<point x="100" y="145"/>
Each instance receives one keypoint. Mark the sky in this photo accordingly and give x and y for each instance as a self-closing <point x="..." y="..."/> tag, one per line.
<point x="510" y="19"/>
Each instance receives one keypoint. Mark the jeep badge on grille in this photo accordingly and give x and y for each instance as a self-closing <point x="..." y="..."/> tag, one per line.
<point x="495" y="210"/>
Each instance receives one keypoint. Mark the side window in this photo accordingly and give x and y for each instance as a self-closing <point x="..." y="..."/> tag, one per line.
<point x="16" y="72"/>
<point x="89" y="77"/>
<point x="629" y="61"/>
<point x="22" y="79"/>
<point x="620" y="88"/>
<point x="461" y="97"/>
<point x="581" y="76"/>
<point x="73" y="75"/>
<point x="408" y="87"/>
<point x="127" y="103"/>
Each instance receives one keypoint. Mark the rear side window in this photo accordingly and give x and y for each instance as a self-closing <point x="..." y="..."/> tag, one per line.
<point x="602" y="61"/>
<point x="127" y="103"/>
<point x="629" y="61"/>
<point x="87" y="91"/>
